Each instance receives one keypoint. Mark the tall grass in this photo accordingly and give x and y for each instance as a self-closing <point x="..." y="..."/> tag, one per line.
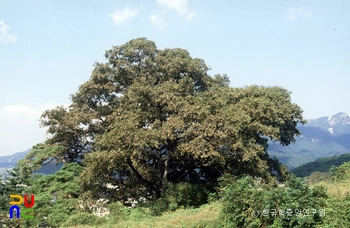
<point x="340" y="190"/>
<point x="204" y="216"/>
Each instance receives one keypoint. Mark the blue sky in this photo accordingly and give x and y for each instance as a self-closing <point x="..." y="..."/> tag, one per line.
<point x="48" y="48"/>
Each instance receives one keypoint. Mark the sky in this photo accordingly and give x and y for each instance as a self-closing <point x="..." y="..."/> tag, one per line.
<point x="48" y="48"/>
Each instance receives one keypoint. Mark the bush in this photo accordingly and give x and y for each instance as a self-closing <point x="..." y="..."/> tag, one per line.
<point x="157" y="207"/>
<point x="247" y="205"/>
<point x="239" y="202"/>
<point x="341" y="173"/>
<point x="180" y="195"/>
<point x="117" y="211"/>
<point x="338" y="211"/>
<point x="186" y="194"/>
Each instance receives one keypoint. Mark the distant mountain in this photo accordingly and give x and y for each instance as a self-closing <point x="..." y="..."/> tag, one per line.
<point x="9" y="161"/>
<point x="322" y="137"/>
<point x="337" y="124"/>
<point x="14" y="158"/>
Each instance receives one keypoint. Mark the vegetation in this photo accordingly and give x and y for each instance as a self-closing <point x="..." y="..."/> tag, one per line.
<point x="152" y="127"/>
<point x="295" y="205"/>
<point x="242" y="202"/>
<point x="150" y="118"/>
<point x="320" y="165"/>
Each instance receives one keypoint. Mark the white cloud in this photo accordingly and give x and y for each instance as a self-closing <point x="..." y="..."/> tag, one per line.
<point x="122" y="15"/>
<point x="5" y="36"/>
<point x="13" y="112"/>
<point x="178" y="5"/>
<point x="157" y="21"/>
<point x="294" y="13"/>
<point x="19" y="127"/>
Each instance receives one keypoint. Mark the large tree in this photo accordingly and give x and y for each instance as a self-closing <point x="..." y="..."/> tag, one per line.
<point x="152" y="117"/>
<point x="167" y="133"/>
<point x="89" y="115"/>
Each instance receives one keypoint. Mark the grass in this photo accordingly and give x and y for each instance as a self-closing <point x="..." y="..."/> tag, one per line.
<point x="205" y="216"/>
<point x="337" y="209"/>
<point x="339" y="190"/>
<point x="208" y="214"/>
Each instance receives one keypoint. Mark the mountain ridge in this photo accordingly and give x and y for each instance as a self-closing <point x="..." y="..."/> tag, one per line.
<point x="14" y="158"/>
<point x="339" y="121"/>
<point x="7" y="162"/>
<point x="322" y="137"/>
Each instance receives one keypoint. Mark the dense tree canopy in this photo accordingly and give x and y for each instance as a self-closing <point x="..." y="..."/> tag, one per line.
<point x="152" y="117"/>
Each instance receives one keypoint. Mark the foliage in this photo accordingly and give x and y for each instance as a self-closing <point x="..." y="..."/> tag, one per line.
<point x="185" y="195"/>
<point x="246" y="204"/>
<point x="341" y="173"/>
<point x="15" y="184"/>
<point x="157" y="207"/>
<point x="39" y="155"/>
<point x="117" y="212"/>
<point x="162" y="119"/>
<point x="338" y="211"/>
<point x="180" y="195"/>
<point x="56" y="195"/>
<point x="152" y="123"/>
<point x="338" y="205"/>
<point x="71" y="131"/>
<point x="239" y="198"/>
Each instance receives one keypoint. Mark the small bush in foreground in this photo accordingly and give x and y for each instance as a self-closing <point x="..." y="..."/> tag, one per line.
<point x="295" y="205"/>
<point x="180" y="195"/>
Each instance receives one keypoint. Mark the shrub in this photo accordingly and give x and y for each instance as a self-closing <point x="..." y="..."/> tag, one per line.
<point x="341" y="173"/>
<point x="117" y="211"/>
<point x="239" y="202"/>
<point x="248" y="205"/>
<point x="180" y="195"/>
<point x="338" y="212"/>
<point x="186" y="194"/>
<point x="157" y="207"/>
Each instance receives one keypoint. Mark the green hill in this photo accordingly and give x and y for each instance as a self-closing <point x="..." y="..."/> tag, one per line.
<point x="320" y="165"/>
